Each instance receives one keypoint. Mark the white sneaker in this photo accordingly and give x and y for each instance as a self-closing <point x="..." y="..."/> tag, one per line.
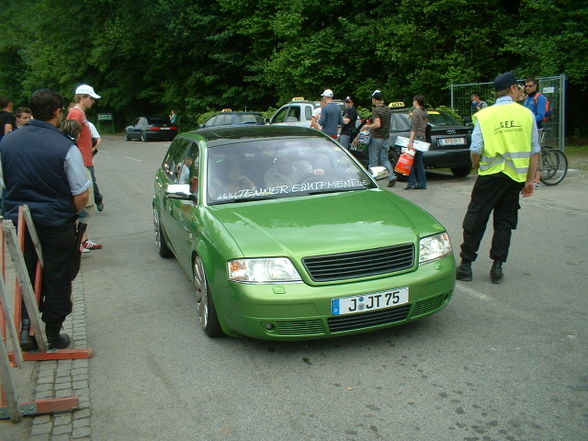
<point x="84" y="250"/>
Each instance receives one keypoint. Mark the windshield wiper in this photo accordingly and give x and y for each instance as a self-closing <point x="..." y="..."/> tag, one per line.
<point x="237" y="200"/>
<point x="335" y="190"/>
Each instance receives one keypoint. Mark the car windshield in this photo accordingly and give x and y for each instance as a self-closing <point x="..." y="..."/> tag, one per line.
<point x="250" y="118"/>
<point x="157" y="121"/>
<point x="439" y="118"/>
<point x="279" y="168"/>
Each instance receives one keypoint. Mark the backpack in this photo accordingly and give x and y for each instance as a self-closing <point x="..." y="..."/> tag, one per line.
<point x="548" y="108"/>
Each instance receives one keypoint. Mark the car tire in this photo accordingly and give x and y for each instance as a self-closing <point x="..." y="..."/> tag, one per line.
<point x="461" y="172"/>
<point x="206" y="309"/>
<point x="160" y="241"/>
<point x="143" y="137"/>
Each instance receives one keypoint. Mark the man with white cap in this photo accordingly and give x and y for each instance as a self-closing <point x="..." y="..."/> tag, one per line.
<point x="380" y="129"/>
<point x="84" y="99"/>
<point x="331" y="117"/>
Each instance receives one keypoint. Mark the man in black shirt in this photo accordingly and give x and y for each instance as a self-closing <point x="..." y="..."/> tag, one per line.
<point x="348" y="129"/>
<point x="7" y="119"/>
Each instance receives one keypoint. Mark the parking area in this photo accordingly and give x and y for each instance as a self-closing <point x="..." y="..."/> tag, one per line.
<point x="501" y="362"/>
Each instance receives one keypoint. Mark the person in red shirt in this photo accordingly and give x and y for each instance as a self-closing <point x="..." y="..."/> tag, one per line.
<point x="84" y="99"/>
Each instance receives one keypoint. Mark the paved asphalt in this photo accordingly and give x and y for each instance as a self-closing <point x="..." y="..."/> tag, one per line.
<point x="501" y="362"/>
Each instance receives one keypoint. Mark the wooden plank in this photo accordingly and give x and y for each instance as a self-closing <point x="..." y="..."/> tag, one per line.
<point x="25" y="283"/>
<point x="8" y="386"/>
<point x="59" y="354"/>
<point x="30" y="226"/>
<point x="12" y="332"/>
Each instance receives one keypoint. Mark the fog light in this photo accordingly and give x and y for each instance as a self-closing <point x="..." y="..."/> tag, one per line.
<point x="269" y="326"/>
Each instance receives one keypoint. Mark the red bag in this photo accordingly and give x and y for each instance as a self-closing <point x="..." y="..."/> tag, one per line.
<point x="404" y="163"/>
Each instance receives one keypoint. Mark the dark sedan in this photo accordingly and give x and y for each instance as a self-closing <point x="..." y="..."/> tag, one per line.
<point x="450" y="141"/>
<point x="151" y="128"/>
<point x="228" y="118"/>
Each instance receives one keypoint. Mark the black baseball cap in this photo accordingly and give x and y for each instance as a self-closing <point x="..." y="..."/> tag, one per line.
<point x="504" y="81"/>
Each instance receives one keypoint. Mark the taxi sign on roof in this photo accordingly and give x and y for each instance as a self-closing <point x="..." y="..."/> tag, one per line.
<point x="396" y="104"/>
<point x="298" y="98"/>
<point x="227" y="110"/>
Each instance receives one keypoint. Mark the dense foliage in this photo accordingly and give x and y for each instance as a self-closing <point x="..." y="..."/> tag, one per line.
<point x="197" y="56"/>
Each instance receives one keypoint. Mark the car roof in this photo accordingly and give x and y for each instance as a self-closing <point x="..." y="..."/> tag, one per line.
<point x="228" y="135"/>
<point x="236" y="112"/>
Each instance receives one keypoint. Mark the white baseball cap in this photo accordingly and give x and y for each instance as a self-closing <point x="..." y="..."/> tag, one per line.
<point x="85" y="89"/>
<point x="328" y="93"/>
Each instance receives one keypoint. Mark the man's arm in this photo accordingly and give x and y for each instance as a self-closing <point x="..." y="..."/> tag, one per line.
<point x="529" y="187"/>
<point x="81" y="200"/>
<point x="79" y="184"/>
<point x="540" y="108"/>
<point x="476" y="145"/>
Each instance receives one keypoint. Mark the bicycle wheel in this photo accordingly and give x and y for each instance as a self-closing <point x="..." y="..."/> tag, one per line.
<point x="555" y="166"/>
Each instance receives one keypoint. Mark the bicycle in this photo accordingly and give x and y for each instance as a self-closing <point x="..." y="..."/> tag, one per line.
<point x="554" y="164"/>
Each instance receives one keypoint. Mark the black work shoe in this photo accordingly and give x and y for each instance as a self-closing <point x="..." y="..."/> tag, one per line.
<point x="392" y="183"/>
<point x="27" y="342"/>
<point x="464" y="272"/>
<point x="496" y="274"/>
<point x="100" y="206"/>
<point x="61" y="342"/>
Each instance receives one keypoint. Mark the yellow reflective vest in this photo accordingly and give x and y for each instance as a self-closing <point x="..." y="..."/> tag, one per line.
<point x="506" y="130"/>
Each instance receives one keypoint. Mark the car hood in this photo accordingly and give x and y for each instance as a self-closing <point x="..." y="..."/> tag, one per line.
<point x="324" y="224"/>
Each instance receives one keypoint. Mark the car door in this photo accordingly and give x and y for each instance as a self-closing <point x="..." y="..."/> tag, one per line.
<point x="184" y="224"/>
<point x="133" y="130"/>
<point x="280" y="116"/>
<point x="172" y="166"/>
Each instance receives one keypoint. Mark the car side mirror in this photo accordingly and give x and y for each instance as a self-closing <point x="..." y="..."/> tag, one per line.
<point x="181" y="192"/>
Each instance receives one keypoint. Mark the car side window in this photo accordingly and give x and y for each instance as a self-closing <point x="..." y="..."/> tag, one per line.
<point x="293" y="114"/>
<point x="402" y="121"/>
<point x="188" y="171"/>
<point x="307" y="113"/>
<point x="210" y="122"/>
<point x="174" y="156"/>
<point x="281" y="115"/>
<point x="224" y="120"/>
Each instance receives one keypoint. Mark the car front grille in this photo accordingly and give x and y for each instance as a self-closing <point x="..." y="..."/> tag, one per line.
<point x="428" y="305"/>
<point x="360" y="263"/>
<point x="375" y="318"/>
<point x="299" y="327"/>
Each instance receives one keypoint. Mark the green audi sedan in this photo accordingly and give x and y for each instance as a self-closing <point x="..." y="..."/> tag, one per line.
<point x="287" y="237"/>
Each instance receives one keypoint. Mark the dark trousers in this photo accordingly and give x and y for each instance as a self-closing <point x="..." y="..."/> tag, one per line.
<point x="492" y="193"/>
<point x="62" y="263"/>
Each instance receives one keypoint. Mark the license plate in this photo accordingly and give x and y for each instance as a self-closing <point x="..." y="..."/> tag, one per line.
<point x="165" y="128"/>
<point x="369" y="302"/>
<point x="452" y="141"/>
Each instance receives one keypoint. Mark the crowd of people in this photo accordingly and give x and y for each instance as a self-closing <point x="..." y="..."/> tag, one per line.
<point x="47" y="163"/>
<point x="504" y="150"/>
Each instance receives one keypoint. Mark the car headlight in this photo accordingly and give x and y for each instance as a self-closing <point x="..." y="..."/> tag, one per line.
<point x="434" y="247"/>
<point x="276" y="269"/>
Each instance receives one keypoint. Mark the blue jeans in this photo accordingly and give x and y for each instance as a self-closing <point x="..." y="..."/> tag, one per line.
<point x="378" y="153"/>
<point x="417" y="176"/>
<point x="344" y="140"/>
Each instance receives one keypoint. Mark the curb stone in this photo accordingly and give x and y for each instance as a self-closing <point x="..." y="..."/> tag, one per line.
<point x="66" y="378"/>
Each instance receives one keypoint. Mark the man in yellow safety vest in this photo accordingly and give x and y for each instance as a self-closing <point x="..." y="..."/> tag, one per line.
<point x="505" y="150"/>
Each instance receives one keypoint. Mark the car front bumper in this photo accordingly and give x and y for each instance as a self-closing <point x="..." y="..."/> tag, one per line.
<point x="455" y="158"/>
<point x="299" y="311"/>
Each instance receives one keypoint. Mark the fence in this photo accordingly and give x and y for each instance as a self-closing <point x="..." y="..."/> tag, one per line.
<point x="554" y="88"/>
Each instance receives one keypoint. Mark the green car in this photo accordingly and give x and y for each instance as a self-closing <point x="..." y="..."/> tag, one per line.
<point x="287" y="237"/>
